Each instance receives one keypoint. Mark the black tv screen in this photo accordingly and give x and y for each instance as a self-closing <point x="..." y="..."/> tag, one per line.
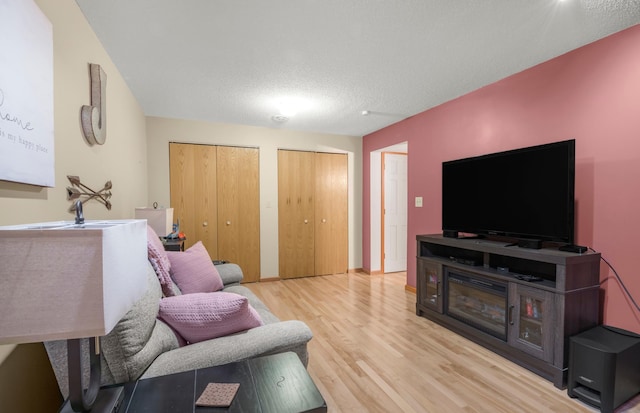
<point x="525" y="193"/>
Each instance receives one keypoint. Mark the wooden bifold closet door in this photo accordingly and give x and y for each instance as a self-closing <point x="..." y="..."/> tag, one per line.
<point x="239" y="208"/>
<point x="331" y="238"/>
<point x="296" y="219"/>
<point x="215" y="193"/>
<point x="312" y="213"/>
<point x="194" y="196"/>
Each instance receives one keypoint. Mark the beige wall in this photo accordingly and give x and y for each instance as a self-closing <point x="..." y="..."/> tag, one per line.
<point x="122" y="159"/>
<point x="161" y="131"/>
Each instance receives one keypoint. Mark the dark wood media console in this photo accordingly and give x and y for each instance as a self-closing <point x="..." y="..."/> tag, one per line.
<point x="481" y="289"/>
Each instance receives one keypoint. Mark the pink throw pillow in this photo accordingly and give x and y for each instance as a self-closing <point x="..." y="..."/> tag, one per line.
<point x="203" y="316"/>
<point x="193" y="271"/>
<point x="159" y="261"/>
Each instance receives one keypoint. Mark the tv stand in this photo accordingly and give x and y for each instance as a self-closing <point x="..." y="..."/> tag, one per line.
<point x="530" y="303"/>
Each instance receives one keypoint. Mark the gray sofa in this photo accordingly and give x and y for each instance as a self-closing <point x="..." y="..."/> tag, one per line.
<point x="143" y="346"/>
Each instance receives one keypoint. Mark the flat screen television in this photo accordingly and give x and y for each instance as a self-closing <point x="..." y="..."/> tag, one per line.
<point x="526" y="194"/>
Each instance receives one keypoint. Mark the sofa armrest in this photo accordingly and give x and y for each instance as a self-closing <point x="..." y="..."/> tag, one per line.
<point x="230" y="273"/>
<point x="292" y="335"/>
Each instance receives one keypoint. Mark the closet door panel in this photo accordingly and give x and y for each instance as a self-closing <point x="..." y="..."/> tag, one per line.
<point x="296" y="213"/>
<point x="239" y="208"/>
<point x="205" y="199"/>
<point x="331" y="239"/>
<point x="323" y="251"/>
<point x="181" y="175"/>
<point x="193" y="192"/>
<point x="340" y="212"/>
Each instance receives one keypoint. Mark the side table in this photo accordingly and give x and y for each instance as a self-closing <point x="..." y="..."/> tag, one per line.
<point x="173" y="244"/>
<point x="269" y="384"/>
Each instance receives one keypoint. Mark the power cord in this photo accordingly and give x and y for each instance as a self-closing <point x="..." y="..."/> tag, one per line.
<point x="624" y="287"/>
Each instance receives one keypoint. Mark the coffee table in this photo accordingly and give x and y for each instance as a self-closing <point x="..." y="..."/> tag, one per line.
<point x="270" y="384"/>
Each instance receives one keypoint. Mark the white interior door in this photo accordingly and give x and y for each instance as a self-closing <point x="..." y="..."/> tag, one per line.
<point x="394" y="216"/>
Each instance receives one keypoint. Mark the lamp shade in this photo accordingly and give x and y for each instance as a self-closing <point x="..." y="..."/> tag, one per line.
<point x="160" y="219"/>
<point x="60" y="280"/>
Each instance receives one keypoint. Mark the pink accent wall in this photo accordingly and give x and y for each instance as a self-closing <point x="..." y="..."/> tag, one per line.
<point x="592" y="95"/>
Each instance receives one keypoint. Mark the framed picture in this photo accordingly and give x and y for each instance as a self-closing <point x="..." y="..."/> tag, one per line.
<point x="26" y="94"/>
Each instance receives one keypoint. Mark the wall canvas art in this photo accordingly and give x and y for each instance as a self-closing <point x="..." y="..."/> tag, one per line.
<point x="26" y="94"/>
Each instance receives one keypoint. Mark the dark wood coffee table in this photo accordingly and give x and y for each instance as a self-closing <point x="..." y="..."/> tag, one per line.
<point x="274" y="384"/>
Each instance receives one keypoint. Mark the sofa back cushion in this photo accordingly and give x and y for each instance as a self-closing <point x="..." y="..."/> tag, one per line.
<point x="193" y="271"/>
<point x="138" y="338"/>
<point x="160" y="263"/>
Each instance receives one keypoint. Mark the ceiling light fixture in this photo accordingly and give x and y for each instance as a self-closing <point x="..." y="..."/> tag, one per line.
<point x="288" y="107"/>
<point x="279" y="118"/>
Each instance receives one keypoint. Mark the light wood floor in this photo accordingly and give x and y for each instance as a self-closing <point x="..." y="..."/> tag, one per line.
<point x="371" y="353"/>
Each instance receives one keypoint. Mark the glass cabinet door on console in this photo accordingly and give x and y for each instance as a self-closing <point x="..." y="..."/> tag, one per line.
<point x="429" y="284"/>
<point x="531" y="320"/>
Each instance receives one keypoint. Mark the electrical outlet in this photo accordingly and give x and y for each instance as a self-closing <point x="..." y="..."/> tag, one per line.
<point x="419" y="201"/>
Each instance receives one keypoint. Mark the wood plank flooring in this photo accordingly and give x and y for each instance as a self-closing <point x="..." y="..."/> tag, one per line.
<point x="371" y="353"/>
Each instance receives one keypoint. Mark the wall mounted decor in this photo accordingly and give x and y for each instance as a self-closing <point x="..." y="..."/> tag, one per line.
<point x="26" y="94"/>
<point x="94" y="117"/>
<point x="79" y="191"/>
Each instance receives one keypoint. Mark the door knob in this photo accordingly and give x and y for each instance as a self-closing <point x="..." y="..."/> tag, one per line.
<point x="205" y="223"/>
<point x="306" y="221"/>
<point x="324" y="220"/>
<point x="228" y="222"/>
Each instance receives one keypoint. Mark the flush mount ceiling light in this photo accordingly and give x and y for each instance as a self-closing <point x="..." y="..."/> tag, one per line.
<point x="284" y="107"/>
<point x="290" y="106"/>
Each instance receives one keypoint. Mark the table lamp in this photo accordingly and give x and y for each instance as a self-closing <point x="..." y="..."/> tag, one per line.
<point x="160" y="219"/>
<point x="61" y="280"/>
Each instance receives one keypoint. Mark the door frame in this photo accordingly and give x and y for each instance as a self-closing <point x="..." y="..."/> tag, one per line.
<point x="375" y="206"/>
<point x="383" y="210"/>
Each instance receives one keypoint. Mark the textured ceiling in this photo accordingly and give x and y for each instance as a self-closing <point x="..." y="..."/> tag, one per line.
<point x="233" y="61"/>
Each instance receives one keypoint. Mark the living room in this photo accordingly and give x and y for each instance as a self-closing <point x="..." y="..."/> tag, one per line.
<point x="591" y="94"/>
